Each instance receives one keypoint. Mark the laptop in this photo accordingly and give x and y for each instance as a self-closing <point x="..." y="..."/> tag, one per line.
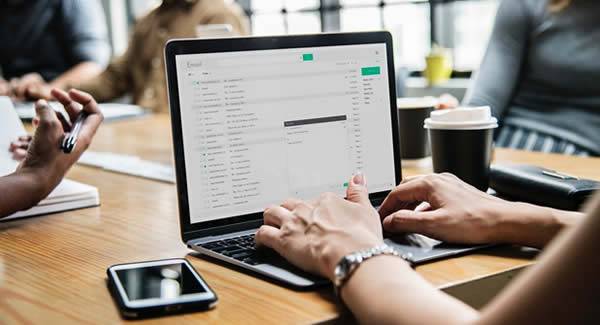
<point x="260" y="119"/>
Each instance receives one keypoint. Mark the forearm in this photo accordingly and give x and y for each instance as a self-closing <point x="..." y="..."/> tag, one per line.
<point x="385" y="290"/>
<point x="79" y="73"/>
<point x="20" y="191"/>
<point x="562" y="287"/>
<point x="533" y="226"/>
<point x="113" y="82"/>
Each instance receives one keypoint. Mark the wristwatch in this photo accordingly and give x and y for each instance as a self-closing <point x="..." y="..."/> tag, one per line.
<point x="349" y="263"/>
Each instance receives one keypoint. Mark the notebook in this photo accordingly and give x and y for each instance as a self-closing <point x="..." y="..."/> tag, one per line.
<point x="68" y="195"/>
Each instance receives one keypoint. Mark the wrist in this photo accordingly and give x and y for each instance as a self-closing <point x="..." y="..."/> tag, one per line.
<point x="41" y="182"/>
<point x="370" y="270"/>
<point x="350" y="263"/>
<point x="338" y="252"/>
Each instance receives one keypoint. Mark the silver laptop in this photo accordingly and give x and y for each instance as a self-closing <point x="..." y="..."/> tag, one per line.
<point x="258" y="120"/>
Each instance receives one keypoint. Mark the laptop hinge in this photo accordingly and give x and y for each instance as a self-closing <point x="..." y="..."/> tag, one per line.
<point x="216" y="231"/>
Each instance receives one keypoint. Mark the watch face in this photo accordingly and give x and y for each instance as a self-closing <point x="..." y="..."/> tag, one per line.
<point x="346" y="266"/>
<point x="341" y="271"/>
<point x="343" y="266"/>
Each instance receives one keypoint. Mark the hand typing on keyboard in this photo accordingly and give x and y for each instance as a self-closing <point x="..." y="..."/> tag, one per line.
<point x="315" y="236"/>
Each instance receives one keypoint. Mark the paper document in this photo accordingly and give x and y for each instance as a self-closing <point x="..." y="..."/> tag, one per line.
<point x="10" y="129"/>
<point x="130" y="165"/>
<point x="68" y="195"/>
<point x="111" y="111"/>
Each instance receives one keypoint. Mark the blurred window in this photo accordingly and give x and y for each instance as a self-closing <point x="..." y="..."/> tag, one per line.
<point x="464" y="26"/>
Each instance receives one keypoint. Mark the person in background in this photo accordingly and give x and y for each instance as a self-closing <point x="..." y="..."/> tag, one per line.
<point x="45" y="165"/>
<point x="141" y="70"/>
<point x="50" y="43"/>
<point x="561" y="288"/>
<point x="540" y="76"/>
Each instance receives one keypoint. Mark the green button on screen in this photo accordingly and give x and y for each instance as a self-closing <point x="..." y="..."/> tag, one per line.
<point x="370" y="71"/>
<point x="346" y="184"/>
<point x="307" y="57"/>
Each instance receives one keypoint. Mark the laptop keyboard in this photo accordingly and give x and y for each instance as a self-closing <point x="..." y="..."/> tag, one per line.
<point x="241" y="248"/>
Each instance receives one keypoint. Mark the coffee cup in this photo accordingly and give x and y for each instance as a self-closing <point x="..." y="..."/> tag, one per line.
<point x="462" y="143"/>
<point x="414" y="139"/>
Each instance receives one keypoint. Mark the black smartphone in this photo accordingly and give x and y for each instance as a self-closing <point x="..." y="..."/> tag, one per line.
<point x="156" y="288"/>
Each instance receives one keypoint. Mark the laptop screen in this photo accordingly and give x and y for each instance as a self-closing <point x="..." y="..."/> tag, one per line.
<point x="262" y="126"/>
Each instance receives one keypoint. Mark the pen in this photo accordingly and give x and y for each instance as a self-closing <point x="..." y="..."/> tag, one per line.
<point x="69" y="142"/>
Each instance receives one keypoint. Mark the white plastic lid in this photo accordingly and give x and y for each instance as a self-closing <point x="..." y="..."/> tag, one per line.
<point x="462" y="118"/>
<point x="416" y="102"/>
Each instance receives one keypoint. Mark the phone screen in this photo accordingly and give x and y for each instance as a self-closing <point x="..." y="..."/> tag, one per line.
<point x="160" y="281"/>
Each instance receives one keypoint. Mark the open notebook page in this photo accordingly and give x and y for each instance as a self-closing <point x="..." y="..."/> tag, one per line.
<point x="10" y="129"/>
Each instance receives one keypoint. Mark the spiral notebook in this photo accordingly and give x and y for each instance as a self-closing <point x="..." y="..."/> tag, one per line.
<point x="68" y="195"/>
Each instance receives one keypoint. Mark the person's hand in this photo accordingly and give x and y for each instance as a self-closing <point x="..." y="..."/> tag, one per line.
<point x="315" y="236"/>
<point x="20" y="146"/>
<point x="4" y="87"/>
<point x="20" y="87"/>
<point x="39" y="91"/>
<point x="442" y="206"/>
<point x="446" y="101"/>
<point x="44" y="156"/>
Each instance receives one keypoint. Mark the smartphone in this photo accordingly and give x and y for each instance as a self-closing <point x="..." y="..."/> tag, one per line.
<point x="157" y="288"/>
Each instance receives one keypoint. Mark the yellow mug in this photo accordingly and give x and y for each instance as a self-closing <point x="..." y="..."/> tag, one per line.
<point x="439" y="68"/>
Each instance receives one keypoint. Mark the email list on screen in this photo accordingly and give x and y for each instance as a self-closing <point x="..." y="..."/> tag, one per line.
<point x="262" y="126"/>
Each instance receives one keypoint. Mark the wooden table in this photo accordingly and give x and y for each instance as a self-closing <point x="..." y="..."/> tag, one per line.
<point x="52" y="268"/>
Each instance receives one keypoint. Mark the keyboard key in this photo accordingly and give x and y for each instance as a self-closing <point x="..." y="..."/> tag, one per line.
<point x="210" y="245"/>
<point x="231" y="252"/>
<point x="266" y="252"/>
<point x="231" y="245"/>
<point x="242" y="255"/>
<point x="226" y="248"/>
<point x="218" y="243"/>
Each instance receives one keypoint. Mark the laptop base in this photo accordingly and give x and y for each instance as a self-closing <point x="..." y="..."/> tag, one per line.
<point x="271" y="266"/>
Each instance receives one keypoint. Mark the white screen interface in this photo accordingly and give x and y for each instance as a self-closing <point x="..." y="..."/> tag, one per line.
<point x="263" y="126"/>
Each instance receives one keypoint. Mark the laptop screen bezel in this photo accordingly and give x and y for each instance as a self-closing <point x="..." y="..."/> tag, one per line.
<point x="198" y="46"/>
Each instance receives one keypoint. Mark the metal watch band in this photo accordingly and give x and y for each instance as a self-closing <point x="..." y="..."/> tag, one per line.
<point x="349" y="263"/>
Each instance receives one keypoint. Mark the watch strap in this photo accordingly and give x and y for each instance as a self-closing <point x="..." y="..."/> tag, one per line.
<point x="349" y="263"/>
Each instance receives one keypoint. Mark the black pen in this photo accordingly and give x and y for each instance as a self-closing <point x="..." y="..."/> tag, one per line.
<point x="69" y="142"/>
